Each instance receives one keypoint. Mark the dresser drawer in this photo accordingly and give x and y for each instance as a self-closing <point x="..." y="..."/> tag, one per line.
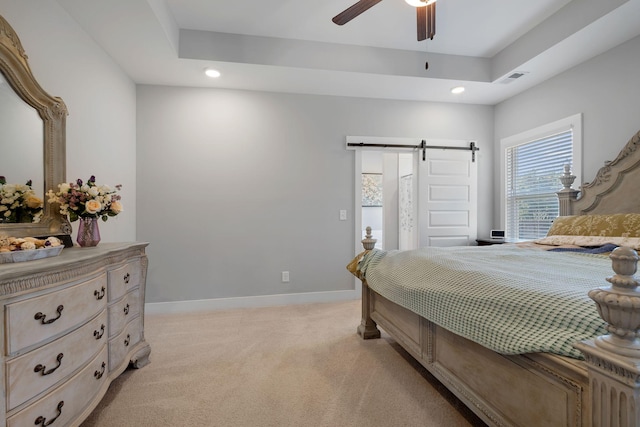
<point x="122" y="311"/>
<point x="63" y="404"/>
<point x="36" y="371"/>
<point x="123" y="279"/>
<point x="120" y="345"/>
<point x="33" y="320"/>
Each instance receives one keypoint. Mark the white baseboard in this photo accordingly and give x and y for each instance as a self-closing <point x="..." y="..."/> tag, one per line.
<point x="249" y="302"/>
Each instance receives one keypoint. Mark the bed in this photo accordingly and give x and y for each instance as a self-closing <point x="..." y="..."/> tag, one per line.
<point x="591" y="378"/>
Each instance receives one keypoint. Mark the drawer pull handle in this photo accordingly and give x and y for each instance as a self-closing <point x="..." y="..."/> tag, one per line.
<point x="99" y="374"/>
<point x="126" y="309"/>
<point x="42" y="420"/>
<point x="127" y="340"/>
<point x="99" y="294"/>
<point x="43" y="369"/>
<point x="100" y="333"/>
<point x="42" y="317"/>
<point x="126" y="278"/>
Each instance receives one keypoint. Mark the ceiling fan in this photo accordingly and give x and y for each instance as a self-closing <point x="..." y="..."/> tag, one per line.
<point x="425" y="13"/>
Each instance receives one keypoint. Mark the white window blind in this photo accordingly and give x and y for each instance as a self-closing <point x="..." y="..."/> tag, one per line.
<point x="532" y="173"/>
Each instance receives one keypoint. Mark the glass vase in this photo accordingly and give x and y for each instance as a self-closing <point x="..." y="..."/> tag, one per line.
<point x="88" y="232"/>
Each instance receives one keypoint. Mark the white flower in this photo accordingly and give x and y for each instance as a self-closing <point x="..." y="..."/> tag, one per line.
<point x="92" y="207"/>
<point x="86" y="200"/>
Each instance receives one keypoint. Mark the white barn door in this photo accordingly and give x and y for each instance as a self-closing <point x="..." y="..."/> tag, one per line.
<point x="447" y="199"/>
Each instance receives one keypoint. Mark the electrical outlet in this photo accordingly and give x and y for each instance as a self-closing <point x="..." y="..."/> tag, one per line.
<point x="343" y="215"/>
<point x="285" y="277"/>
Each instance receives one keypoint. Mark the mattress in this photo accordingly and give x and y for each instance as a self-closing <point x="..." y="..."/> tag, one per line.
<point x="510" y="299"/>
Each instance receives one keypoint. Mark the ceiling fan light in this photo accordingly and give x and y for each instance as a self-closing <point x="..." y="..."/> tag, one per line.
<point x="419" y="3"/>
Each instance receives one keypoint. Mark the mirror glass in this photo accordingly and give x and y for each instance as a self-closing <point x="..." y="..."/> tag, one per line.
<point x="32" y="146"/>
<point x="21" y="142"/>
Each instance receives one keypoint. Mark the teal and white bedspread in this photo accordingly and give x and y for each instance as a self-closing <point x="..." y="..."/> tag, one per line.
<point x="511" y="300"/>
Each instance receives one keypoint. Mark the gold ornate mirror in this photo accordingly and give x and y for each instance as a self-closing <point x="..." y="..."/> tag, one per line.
<point x="32" y="141"/>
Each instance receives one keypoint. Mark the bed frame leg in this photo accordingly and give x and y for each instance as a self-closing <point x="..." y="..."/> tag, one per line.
<point x="368" y="329"/>
<point x="613" y="361"/>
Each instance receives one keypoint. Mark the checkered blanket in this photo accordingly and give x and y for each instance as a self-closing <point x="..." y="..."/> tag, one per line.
<point x="508" y="299"/>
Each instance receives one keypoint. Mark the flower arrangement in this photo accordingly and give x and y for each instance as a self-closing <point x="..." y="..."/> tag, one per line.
<point x="87" y="200"/>
<point x="19" y="203"/>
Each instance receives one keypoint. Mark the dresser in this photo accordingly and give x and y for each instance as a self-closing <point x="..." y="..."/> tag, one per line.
<point x="71" y="324"/>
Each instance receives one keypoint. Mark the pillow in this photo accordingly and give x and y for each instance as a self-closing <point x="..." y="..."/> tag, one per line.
<point x="615" y="225"/>
<point x="589" y="241"/>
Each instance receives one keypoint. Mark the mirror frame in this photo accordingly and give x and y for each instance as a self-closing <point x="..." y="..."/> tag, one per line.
<point x="53" y="112"/>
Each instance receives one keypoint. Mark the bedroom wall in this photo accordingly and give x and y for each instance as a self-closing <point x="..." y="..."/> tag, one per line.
<point x="605" y="89"/>
<point x="235" y="186"/>
<point x="99" y="96"/>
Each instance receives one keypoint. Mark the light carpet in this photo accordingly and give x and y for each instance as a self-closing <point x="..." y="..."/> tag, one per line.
<point x="299" y="365"/>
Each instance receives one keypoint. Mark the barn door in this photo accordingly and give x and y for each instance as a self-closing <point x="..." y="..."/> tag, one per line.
<point x="447" y="199"/>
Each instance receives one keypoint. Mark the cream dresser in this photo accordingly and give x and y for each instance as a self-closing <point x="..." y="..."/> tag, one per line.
<point x="72" y="324"/>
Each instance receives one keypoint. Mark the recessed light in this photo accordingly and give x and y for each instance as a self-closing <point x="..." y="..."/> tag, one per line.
<point x="212" y="73"/>
<point x="458" y="89"/>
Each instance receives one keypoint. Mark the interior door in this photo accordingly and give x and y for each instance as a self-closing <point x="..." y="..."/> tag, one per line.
<point x="447" y="198"/>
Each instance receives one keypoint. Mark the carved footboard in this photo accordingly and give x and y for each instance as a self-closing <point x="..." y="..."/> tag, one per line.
<point x="532" y="389"/>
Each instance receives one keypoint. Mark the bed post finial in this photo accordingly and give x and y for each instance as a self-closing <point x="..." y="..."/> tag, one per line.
<point x="567" y="194"/>
<point x="619" y="305"/>
<point x="613" y="361"/>
<point x="368" y="243"/>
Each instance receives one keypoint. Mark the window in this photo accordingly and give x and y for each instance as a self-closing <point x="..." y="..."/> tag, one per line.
<point x="531" y="171"/>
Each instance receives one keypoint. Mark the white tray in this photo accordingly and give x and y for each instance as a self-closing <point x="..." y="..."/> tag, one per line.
<point x="21" y="256"/>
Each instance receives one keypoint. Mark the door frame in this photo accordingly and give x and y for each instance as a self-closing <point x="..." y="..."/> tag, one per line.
<point x="390" y="142"/>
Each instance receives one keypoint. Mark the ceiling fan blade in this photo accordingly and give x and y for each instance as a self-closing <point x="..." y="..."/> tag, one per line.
<point x="353" y="11"/>
<point x="421" y="13"/>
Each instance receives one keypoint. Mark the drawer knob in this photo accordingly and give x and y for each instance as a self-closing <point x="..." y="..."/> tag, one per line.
<point x="43" y="317"/>
<point x="100" y="333"/>
<point x="126" y="278"/>
<point x="99" y="294"/>
<point x="126" y="309"/>
<point x="43" y="369"/>
<point x="43" y="421"/>
<point x="99" y="374"/>
<point x="127" y="340"/>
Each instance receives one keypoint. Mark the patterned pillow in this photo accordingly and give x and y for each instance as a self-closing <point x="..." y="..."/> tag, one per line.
<point x="617" y="225"/>
<point x="589" y="241"/>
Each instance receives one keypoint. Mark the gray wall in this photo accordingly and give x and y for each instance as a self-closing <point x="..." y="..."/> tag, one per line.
<point x="100" y="97"/>
<point x="605" y="89"/>
<point x="236" y="186"/>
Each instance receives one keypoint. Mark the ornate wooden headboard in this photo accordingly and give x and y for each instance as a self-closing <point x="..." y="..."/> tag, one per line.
<point x="614" y="189"/>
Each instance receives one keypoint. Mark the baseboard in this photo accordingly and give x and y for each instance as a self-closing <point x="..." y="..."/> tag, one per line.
<point x="249" y="302"/>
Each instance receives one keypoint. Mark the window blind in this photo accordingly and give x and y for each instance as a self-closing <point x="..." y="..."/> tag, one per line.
<point x="532" y="174"/>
